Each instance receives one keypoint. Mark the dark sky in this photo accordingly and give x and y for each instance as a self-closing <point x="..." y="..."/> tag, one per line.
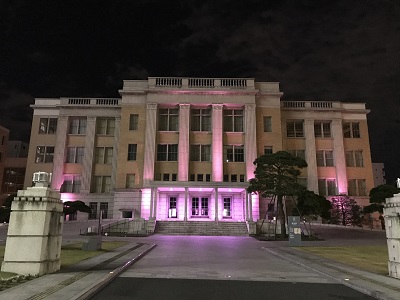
<point x="343" y="50"/>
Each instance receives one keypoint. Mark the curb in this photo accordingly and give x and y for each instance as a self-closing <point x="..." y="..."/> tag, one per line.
<point x="111" y="276"/>
<point x="376" y="294"/>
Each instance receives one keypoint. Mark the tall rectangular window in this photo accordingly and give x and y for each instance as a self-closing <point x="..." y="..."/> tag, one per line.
<point x="351" y="130"/>
<point x="103" y="155"/>
<point x="234" y="153"/>
<point x="74" y="155"/>
<point x="362" y="187"/>
<point x="130" y="181"/>
<point x="352" y="187"/>
<point x="322" y="129"/>
<point x="105" y="126"/>
<point x="102" y="184"/>
<point x="167" y="152"/>
<point x="47" y="125"/>
<point x="267" y="124"/>
<point x="132" y="151"/>
<point x="104" y="210"/>
<point x="324" y="158"/>
<point x="93" y="210"/>
<point x="200" y="152"/>
<point x="267" y="149"/>
<point x="77" y="125"/>
<point x="327" y="187"/>
<point x="354" y="159"/>
<point x="133" y="121"/>
<point x="44" y="154"/>
<point x="233" y="120"/>
<point x="71" y="184"/>
<point x="294" y="128"/>
<point x="201" y="119"/>
<point x="298" y="153"/>
<point x="168" y="119"/>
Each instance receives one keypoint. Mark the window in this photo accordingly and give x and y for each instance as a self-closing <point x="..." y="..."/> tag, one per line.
<point x="267" y="124"/>
<point x="47" y="125"/>
<point x="103" y="155"/>
<point x="354" y="159"/>
<point x="133" y="122"/>
<point x="298" y="153"/>
<point x="168" y="152"/>
<point x="192" y="177"/>
<point x="173" y="175"/>
<point x="267" y="149"/>
<point x="233" y="153"/>
<point x="130" y="181"/>
<point x="74" y="155"/>
<point x="327" y="187"/>
<point x="104" y="210"/>
<point x="71" y="184"/>
<point x="44" y="154"/>
<point x="352" y="187"/>
<point x="351" y="130"/>
<point x="233" y="177"/>
<point x="322" y="129"/>
<point x="201" y="120"/>
<point x="77" y="126"/>
<point x="93" y="210"/>
<point x="200" y="177"/>
<point x="324" y="158"/>
<point x="362" y="187"/>
<point x="168" y="119"/>
<point x="105" y="126"/>
<point x="233" y="120"/>
<point x="357" y="187"/>
<point x="165" y="177"/>
<point x="208" y="177"/>
<point x="294" y="129"/>
<point x="132" y="150"/>
<point x="241" y="177"/>
<point x="101" y="184"/>
<point x="200" y="152"/>
<point x="226" y="177"/>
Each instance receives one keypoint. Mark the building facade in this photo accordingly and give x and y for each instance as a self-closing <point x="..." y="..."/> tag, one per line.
<point x="183" y="148"/>
<point x="378" y="171"/>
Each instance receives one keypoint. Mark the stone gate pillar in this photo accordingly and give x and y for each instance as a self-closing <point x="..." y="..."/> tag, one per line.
<point x="391" y="211"/>
<point x="35" y="230"/>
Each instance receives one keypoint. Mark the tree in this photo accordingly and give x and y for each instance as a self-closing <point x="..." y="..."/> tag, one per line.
<point x="345" y="211"/>
<point x="378" y="195"/>
<point x="71" y="207"/>
<point x="313" y="205"/>
<point x="276" y="175"/>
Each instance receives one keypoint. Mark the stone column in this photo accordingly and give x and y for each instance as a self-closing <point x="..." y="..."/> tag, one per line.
<point x="186" y="202"/>
<point x="115" y="153"/>
<point x="151" y="203"/>
<point x="217" y="143"/>
<point x="87" y="163"/>
<point x="59" y="153"/>
<point x="391" y="211"/>
<point x="155" y="203"/>
<point x="311" y="156"/>
<point x="183" y="148"/>
<point x="35" y="230"/>
<point x="250" y="139"/>
<point x="247" y="205"/>
<point x="338" y="156"/>
<point x="216" y="197"/>
<point x="150" y="142"/>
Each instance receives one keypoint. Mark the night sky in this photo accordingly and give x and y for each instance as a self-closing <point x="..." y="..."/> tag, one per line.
<point x="343" y="50"/>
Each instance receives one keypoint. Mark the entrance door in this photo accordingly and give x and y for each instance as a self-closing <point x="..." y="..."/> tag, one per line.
<point x="172" y="208"/>
<point x="200" y="206"/>
<point x="227" y="208"/>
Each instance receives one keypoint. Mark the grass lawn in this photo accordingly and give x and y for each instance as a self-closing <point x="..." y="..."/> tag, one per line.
<point x="70" y="254"/>
<point x="370" y="258"/>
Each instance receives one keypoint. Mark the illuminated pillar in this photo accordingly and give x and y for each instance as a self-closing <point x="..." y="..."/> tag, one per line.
<point x="115" y="151"/>
<point x="216" y="197"/>
<point x="247" y="205"/>
<point x="151" y="203"/>
<point x="87" y="163"/>
<point x="59" y="153"/>
<point x="183" y="148"/>
<point x="186" y="202"/>
<point x="155" y="203"/>
<point x="217" y="143"/>
<point x="250" y="139"/>
<point x="338" y="156"/>
<point x="311" y="156"/>
<point x="150" y="142"/>
<point x="250" y="199"/>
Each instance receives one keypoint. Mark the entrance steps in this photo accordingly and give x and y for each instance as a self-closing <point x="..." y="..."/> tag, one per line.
<point x="211" y="228"/>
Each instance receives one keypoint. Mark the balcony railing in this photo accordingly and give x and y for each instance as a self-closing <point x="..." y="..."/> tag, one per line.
<point x="91" y="101"/>
<point x="201" y="83"/>
<point x="311" y="104"/>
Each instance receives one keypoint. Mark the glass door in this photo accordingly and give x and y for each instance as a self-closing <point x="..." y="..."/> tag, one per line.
<point x="200" y="206"/>
<point x="172" y="208"/>
<point x="227" y="208"/>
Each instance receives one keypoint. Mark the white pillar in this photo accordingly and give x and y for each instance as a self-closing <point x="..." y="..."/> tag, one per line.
<point x="338" y="156"/>
<point x="216" y="197"/>
<point x="247" y="205"/>
<point x="151" y="202"/>
<point x="59" y="153"/>
<point x="311" y="156"/>
<point x="150" y="142"/>
<point x="186" y="202"/>
<point x="87" y="162"/>
<point x="217" y="143"/>
<point x="250" y="199"/>
<point x="155" y="203"/>
<point x="250" y="139"/>
<point x="183" y="148"/>
<point x="115" y="152"/>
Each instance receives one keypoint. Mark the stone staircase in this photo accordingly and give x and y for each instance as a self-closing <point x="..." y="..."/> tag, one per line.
<point x="201" y="228"/>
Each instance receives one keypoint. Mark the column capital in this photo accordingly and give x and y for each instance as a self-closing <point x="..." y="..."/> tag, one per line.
<point x="63" y="118"/>
<point x="336" y="121"/>
<point x="152" y="105"/>
<point x="250" y="107"/>
<point x="308" y="121"/>
<point x="217" y="106"/>
<point x="184" y="106"/>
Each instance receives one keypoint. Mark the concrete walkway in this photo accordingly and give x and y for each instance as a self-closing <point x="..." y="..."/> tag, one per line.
<point x="213" y="258"/>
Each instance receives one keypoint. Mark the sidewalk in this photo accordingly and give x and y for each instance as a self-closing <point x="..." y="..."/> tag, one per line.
<point x="82" y="279"/>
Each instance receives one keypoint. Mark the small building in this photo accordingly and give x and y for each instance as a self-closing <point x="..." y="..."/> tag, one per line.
<point x="378" y="170"/>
